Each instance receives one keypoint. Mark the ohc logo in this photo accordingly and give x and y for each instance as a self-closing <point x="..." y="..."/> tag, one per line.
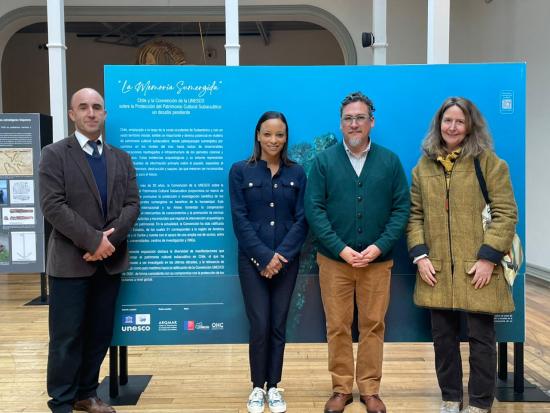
<point x="217" y="326"/>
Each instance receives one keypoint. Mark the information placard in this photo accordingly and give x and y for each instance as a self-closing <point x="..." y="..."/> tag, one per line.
<point x="22" y="235"/>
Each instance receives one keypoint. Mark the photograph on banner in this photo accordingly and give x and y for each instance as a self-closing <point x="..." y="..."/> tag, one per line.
<point x="23" y="245"/>
<point x="186" y="126"/>
<point x="4" y="248"/>
<point x="16" y="161"/>
<point x="4" y="199"/>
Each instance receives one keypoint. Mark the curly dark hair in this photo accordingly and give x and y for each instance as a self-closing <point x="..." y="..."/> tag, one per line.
<point x="357" y="97"/>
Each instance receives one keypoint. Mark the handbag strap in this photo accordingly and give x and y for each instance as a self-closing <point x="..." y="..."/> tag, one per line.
<point x="481" y="181"/>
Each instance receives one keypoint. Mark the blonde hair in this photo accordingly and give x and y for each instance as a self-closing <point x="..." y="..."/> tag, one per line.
<point x="477" y="139"/>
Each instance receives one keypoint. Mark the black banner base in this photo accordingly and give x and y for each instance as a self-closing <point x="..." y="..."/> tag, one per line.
<point x="44" y="297"/>
<point x="128" y="395"/>
<point x="38" y="301"/>
<point x="531" y="393"/>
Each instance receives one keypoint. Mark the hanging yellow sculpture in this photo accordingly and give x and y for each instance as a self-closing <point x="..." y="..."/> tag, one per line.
<point x="160" y="52"/>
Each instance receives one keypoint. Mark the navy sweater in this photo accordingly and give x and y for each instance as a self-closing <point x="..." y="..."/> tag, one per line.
<point x="99" y="169"/>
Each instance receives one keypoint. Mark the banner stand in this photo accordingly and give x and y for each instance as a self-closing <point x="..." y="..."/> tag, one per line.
<point x="119" y="389"/>
<point x="43" y="298"/>
<point x="512" y="387"/>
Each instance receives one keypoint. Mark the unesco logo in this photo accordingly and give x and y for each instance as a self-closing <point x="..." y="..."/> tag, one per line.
<point x="127" y="329"/>
<point x="128" y="319"/>
<point x="136" y="323"/>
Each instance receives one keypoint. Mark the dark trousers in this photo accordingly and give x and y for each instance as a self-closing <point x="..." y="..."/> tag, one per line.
<point x="267" y="302"/>
<point x="81" y="317"/>
<point x="483" y="356"/>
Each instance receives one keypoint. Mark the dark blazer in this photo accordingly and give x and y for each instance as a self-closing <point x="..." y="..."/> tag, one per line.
<point x="71" y="203"/>
<point x="268" y="213"/>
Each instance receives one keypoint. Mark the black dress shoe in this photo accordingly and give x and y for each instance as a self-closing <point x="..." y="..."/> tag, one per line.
<point x="93" y="405"/>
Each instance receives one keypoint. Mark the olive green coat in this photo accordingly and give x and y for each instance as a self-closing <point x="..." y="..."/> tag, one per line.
<point x="454" y="239"/>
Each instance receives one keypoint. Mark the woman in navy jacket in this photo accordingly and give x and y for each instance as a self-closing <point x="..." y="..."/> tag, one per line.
<point x="267" y="206"/>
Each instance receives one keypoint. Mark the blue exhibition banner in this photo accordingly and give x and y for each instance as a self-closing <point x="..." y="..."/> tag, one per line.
<point x="185" y="127"/>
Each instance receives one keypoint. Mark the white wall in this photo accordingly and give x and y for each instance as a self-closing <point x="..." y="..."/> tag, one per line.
<point x="25" y="67"/>
<point x="407" y="31"/>
<point x="516" y="30"/>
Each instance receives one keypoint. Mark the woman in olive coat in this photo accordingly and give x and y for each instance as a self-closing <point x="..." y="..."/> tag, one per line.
<point x="458" y="262"/>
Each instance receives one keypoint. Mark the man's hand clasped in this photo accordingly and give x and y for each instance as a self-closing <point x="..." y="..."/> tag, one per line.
<point x="360" y="259"/>
<point x="105" y="249"/>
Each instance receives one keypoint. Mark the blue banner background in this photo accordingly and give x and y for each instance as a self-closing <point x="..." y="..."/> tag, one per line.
<point x="162" y="306"/>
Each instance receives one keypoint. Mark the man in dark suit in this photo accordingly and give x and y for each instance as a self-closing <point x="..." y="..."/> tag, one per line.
<point x="89" y="194"/>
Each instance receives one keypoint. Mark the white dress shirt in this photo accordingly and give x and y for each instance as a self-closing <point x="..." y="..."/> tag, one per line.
<point x="83" y="141"/>
<point x="357" y="161"/>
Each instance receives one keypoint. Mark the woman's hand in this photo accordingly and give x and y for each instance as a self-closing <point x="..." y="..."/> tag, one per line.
<point x="274" y="266"/>
<point x="482" y="271"/>
<point x="426" y="271"/>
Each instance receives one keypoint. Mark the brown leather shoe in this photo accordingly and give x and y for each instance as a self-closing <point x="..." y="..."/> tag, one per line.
<point x="338" y="402"/>
<point x="93" y="405"/>
<point x="374" y="404"/>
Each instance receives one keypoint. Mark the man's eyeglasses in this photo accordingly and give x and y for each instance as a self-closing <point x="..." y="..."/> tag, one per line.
<point x="360" y="119"/>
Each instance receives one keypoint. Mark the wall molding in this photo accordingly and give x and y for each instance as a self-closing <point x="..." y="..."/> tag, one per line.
<point x="532" y="270"/>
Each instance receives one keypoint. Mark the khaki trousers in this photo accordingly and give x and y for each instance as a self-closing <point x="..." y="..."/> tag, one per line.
<point x="371" y="287"/>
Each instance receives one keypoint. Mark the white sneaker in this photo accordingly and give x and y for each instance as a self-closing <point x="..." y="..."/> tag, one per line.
<point x="256" y="401"/>
<point x="449" y="407"/>
<point x="472" y="409"/>
<point x="275" y="400"/>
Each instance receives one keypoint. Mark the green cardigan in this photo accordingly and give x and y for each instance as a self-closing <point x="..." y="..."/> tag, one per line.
<point x="344" y="209"/>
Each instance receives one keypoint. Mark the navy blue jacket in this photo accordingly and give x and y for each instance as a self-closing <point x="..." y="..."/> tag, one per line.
<point x="268" y="212"/>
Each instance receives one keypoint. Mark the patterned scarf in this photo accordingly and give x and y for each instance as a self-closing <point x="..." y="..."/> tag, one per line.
<point x="448" y="162"/>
